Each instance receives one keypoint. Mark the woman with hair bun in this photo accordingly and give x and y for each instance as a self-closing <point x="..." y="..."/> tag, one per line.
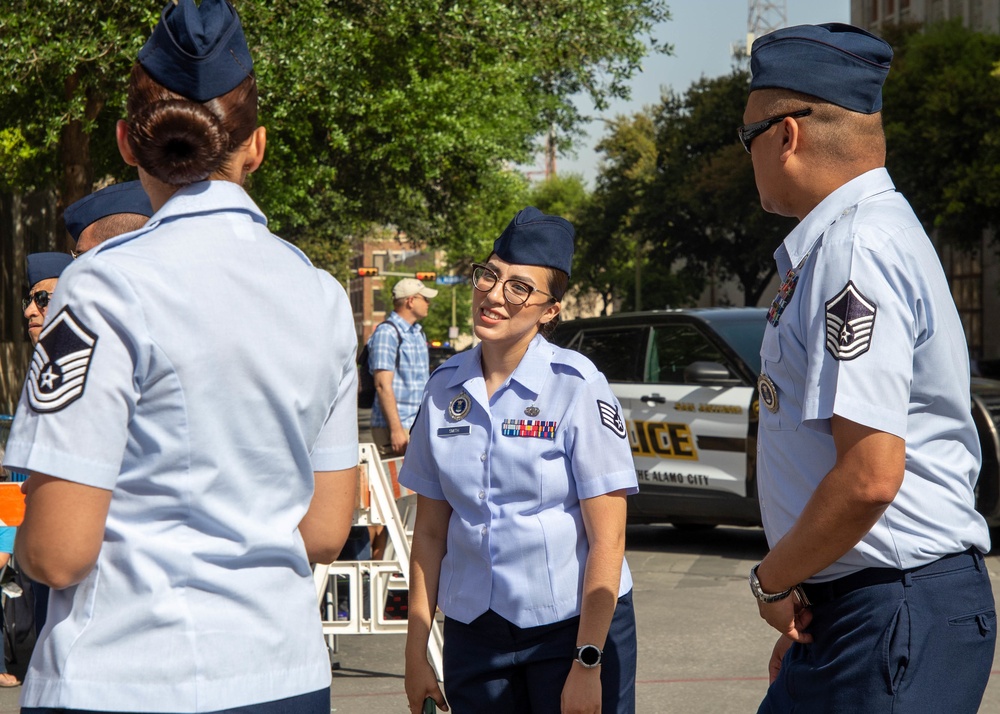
<point x="190" y="428"/>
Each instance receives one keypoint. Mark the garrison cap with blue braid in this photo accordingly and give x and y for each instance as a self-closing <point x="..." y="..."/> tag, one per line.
<point x="839" y="63"/>
<point x="198" y="52"/>
<point x="127" y="197"/>
<point x="42" y="266"/>
<point x="534" y="238"/>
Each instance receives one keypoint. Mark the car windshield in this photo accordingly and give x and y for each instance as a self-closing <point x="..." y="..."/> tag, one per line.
<point x="744" y="336"/>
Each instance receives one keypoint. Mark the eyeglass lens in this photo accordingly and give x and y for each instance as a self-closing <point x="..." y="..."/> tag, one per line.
<point x="40" y="298"/>
<point x="514" y="291"/>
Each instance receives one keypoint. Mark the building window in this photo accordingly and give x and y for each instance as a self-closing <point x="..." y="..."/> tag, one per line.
<point x="874" y="11"/>
<point x="937" y="11"/>
<point x="976" y="15"/>
<point x="965" y="274"/>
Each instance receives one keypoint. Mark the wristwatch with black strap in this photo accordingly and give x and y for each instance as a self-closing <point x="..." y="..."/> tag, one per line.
<point x="589" y="655"/>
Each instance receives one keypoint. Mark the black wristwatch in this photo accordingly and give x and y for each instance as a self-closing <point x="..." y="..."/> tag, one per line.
<point x="589" y="655"/>
<point x="759" y="593"/>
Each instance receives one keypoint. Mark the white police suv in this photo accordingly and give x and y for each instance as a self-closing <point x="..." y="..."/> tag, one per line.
<point x="686" y="380"/>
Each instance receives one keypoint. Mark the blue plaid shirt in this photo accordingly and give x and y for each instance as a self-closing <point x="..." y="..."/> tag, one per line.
<point x="414" y="367"/>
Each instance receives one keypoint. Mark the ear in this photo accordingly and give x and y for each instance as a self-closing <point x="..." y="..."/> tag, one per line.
<point x="789" y="138"/>
<point x="121" y="135"/>
<point x="550" y="313"/>
<point x="255" y="150"/>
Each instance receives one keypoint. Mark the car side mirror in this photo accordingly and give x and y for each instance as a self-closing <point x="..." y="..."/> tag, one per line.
<point x="703" y="372"/>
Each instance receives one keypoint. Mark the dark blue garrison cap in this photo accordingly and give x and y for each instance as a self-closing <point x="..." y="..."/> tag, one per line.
<point x="839" y="63"/>
<point x="126" y="197"/>
<point x="199" y="52"/>
<point x="42" y="266"/>
<point x="534" y="238"/>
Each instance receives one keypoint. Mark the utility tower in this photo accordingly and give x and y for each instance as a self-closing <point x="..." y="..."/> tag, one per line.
<point x="764" y="17"/>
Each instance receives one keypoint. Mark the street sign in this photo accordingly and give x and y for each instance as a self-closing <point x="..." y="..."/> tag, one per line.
<point x="450" y="279"/>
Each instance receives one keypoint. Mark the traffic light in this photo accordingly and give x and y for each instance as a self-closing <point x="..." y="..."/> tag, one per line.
<point x="430" y="277"/>
<point x="367" y="272"/>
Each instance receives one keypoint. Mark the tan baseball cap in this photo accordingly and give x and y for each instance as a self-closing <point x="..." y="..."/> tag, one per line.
<point x="408" y="287"/>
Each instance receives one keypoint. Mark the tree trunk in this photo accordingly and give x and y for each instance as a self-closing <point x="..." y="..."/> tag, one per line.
<point x="74" y="153"/>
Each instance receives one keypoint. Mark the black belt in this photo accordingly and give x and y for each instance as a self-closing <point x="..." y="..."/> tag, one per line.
<point x="820" y="593"/>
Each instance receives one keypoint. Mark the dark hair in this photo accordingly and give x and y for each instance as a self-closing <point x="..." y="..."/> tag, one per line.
<point x="558" y="283"/>
<point x="179" y="141"/>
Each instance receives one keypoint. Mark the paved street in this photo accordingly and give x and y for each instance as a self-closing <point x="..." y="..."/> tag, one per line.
<point x="702" y="647"/>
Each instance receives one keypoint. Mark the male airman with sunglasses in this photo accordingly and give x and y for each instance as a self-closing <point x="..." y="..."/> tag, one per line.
<point x="43" y="274"/>
<point x="867" y="455"/>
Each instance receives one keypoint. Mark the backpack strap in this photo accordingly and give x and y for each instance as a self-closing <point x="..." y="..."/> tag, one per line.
<point x="399" y="346"/>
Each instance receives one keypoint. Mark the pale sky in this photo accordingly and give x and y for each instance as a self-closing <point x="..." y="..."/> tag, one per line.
<point x="702" y="33"/>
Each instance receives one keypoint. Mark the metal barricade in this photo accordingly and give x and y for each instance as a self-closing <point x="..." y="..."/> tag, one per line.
<point x="368" y="597"/>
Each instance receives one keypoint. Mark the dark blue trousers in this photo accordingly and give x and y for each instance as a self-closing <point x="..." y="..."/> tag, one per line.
<point x="313" y="703"/>
<point x="492" y="666"/>
<point x="921" y="643"/>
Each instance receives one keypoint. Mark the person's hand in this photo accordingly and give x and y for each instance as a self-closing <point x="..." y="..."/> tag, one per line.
<point x="777" y="655"/>
<point x="582" y="692"/>
<point x="789" y="617"/>
<point x="421" y="682"/>
<point x="398" y="439"/>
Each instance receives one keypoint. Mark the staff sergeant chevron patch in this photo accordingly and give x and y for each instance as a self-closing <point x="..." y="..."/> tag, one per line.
<point x="850" y="323"/>
<point x="611" y="418"/>
<point x="59" y="364"/>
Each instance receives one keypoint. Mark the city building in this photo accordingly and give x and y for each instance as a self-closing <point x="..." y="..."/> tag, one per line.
<point x="974" y="277"/>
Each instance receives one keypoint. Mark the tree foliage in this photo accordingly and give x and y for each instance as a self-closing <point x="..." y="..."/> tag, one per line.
<point x="941" y="111"/>
<point x="703" y="209"/>
<point x="386" y="112"/>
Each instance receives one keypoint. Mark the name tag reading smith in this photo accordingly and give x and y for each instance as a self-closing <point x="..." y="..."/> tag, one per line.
<point x="453" y="430"/>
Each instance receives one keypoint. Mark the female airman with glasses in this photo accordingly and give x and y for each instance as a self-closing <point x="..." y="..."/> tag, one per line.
<point x="521" y="464"/>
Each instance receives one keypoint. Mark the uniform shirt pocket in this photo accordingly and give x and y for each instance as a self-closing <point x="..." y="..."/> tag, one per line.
<point x="785" y="412"/>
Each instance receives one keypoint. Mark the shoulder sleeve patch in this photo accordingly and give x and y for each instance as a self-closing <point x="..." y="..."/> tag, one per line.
<point x="60" y="363"/>
<point x="850" y="323"/>
<point x="611" y="418"/>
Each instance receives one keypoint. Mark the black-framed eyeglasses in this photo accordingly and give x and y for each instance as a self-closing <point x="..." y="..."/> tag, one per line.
<point x="749" y="132"/>
<point x="40" y="298"/>
<point x="516" y="292"/>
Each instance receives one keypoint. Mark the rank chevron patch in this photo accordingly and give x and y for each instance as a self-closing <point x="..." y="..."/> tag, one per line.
<point x="611" y="418"/>
<point x="60" y="363"/>
<point x="850" y="323"/>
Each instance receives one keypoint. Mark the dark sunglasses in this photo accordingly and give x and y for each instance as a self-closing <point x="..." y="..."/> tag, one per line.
<point x="40" y="298"/>
<point x="749" y="132"/>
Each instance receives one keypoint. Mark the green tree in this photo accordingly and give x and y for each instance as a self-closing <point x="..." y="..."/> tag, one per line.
<point x="941" y="111"/>
<point x="702" y="213"/>
<point x="389" y="113"/>
<point x="616" y="252"/>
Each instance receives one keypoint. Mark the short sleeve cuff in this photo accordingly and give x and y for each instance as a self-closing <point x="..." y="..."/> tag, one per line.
<point x="608" y="483"/>
<point x="22" y="456"/>
<point x="335" y="459"/>
<point x="424" y="487"/>
<point x="867" y="413"/>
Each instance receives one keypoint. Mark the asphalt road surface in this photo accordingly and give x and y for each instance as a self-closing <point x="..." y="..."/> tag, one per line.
<point x="702" y="647"/>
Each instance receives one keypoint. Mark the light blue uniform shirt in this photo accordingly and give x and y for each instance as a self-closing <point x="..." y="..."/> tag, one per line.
<point x="212" y="373"/>
<point x="410" y="376"/>
<point x="516" y="540"/>
<point x="898" y="364"/>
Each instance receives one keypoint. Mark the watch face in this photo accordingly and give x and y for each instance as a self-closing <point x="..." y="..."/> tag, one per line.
<point x="589" y="655"/>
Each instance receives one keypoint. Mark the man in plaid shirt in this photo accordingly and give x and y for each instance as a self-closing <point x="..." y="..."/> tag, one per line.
<point x="400" y="364"/>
